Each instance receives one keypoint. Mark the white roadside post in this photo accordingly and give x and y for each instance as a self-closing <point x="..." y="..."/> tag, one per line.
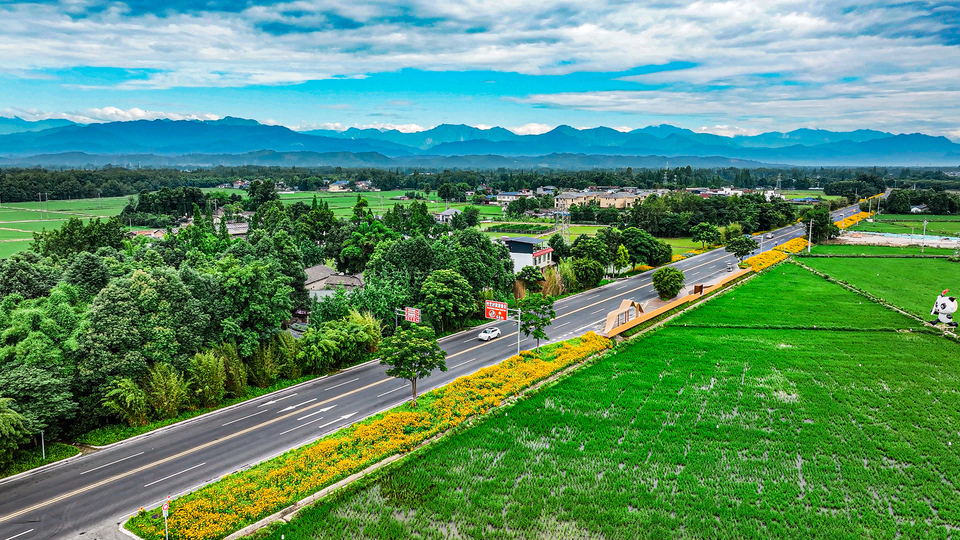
<point x="923" y="242"/>
<point x="166" y="512"/>
<point x="810" y="237"/>
<point x="518" y="331"/>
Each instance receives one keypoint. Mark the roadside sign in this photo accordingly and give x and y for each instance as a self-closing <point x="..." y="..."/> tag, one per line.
<point x="496" y="310"/>
<point x="411" y="314"/>
<point x="166" y="509"/>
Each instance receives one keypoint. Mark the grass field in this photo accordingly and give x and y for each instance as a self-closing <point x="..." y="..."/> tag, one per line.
<point x="917" y="217"/>
<point x="699" y="433"/>
<point x="804" y="193"/>
<point x="912" y="284"/>
<point x="935" y="228"/>
<point x="19" y="220"/>
<point x="848" y="249"/>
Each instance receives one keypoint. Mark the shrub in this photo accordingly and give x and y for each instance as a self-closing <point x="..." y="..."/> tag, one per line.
<point x="207" y="379"/>
<point x="668" y="281"/>
<point x="166" y="390"/>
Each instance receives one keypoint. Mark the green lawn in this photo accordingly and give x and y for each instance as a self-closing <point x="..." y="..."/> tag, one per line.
<point x="26" y="459"/>
<point x="799" y="292"/>
<point x="935" y="228"/>
<point x="848" y="249"/>
<point x="912" y="284"/>
<point x="681" y="244"/>
<point x="917" y="217"/>
<point x="698" y="433"/>
<point x="804" y="193"/>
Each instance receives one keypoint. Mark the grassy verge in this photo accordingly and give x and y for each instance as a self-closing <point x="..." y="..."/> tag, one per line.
<point x="26" y="459"/>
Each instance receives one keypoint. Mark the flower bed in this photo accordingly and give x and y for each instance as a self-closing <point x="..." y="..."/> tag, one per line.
<point x="235" y="501"/>
<point x="853" y="220"/>
<point x="794" y="246"/>
<point x="766" y="259"/>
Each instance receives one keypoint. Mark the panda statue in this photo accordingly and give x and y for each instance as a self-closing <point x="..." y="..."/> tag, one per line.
<point x="945" y="307"/>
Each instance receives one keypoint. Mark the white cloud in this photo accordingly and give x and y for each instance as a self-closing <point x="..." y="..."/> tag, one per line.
<point x="954" y="135"/>
<point x="483" y="126"/>
<point x="104" y="114"/>
<point x="337" y="126"/>
<point x="728" y="131"/>
<point x="531" y="129"/>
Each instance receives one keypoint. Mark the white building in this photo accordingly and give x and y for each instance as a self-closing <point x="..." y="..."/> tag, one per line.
<point x="527" y="251"/>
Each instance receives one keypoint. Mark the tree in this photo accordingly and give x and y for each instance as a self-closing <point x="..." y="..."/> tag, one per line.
<point x="447" y="298"/>
<point x="823" y="226"/>
<point x="644" y="248"/>
<point x="706" y="233"/>
<point x="128" y="400"/>
<point x="88" y="272"/>
<point x="261" y="192"/>
<point x="208" y="379"/>
<point x="166" y="390"/>
<point x="12" y="431"/>
<point x="588" y="272"/>
<point x="898" y="202"/>
<point x="668" y="281"/>
<point x="471" y="216"/>
<point x="560" y="248"/>
<point x="622" y="259"/>
<point x="590" y="247"/>
<point x="413" y="354"/>
<point x="532" y="277"/>
<point x="741" y="246"/>
<point x="43" y="398"/>
<point x="536" y="313"/>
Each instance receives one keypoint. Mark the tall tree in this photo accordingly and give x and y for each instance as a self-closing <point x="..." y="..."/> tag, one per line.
<point x="446" y="298"/>
<point x="741" y="246"/>
<point x="12" y="431"/>
<point x="413" y="354"/>
<point x="536" y="313"/>
<point x="706" y="233"/>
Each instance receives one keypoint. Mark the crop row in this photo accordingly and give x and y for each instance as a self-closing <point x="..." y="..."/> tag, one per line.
<point x="237" y="500"/>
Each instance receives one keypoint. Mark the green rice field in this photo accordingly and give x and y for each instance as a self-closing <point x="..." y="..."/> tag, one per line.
<point x="912" y="284"/>
<point x="721" y="429"/>
<point x="917" y="217"/>
<point x="19" y="220"/>
<point x="935" y="228"/>
<point x="849" y="249"/>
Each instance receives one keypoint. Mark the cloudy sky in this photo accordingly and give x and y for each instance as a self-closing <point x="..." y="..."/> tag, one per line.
<point x="725" y="67"/>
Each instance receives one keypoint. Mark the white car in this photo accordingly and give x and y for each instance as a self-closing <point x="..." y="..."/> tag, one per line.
<point x="769" y="235"/>
<point x="489" y="333"/>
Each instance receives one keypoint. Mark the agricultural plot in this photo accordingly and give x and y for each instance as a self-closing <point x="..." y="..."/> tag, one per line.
<point x="850" y="249"/>
<point x="934" y="228"/>
<point x="799" y="303"/>
<point x="696" y="432"/>
<point x="911" y="284"/>
<point x="918" y="217"/>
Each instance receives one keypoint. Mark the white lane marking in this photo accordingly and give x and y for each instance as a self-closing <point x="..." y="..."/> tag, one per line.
<point x="292" y="407"/>
<point x="471" y="339"/>
<point x="21" y="534"/>
<point x="460" y="364"/>
<point x="341" y="384"/>
<point x="244" y="418"/>
<point x="597" y="311"/>
<point x="301" y="425"/>
<point x="323" y="410"/>
<point x="272" y="401"/>
<point x="344" y="417"/>
<point x="174" y="474"/>
<point x="111" y="463"/>
<point x="392" y="391"/>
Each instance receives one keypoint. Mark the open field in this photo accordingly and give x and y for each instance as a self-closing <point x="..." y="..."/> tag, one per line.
<point x="849" y="249"/>
<point x="912" y="284"/>
<point x="917" y="217"/>
<point x="19" y="220"/>
<point x="700" y="433"/>
<point x="799" y="293"/>
<point x="936" y="228"/>
<point x="803" y="193"/>
<point x="681" y="244"/>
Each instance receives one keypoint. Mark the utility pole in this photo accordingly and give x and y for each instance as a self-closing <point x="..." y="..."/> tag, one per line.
<point x="810" y="237"/>
<point x="923" y="241"/>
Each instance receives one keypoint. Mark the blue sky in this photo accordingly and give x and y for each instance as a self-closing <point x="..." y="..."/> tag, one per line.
<point x="724" y="67"/>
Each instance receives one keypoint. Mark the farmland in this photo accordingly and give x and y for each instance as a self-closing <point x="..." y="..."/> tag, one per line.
<point x="19" y="220"/>
<point x="934" y="228"/>
<point x="702" y="431"/>
<point x="850" y="249"/>
<point x="911" y="284"/>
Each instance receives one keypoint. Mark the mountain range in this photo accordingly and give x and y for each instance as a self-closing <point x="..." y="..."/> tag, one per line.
<point x="241" y="141"/>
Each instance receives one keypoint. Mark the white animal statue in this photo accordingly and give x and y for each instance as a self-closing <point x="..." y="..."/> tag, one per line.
<point x="944" y="309"/>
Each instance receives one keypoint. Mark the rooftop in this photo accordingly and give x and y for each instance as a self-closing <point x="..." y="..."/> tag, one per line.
<point x="525" y="240"/>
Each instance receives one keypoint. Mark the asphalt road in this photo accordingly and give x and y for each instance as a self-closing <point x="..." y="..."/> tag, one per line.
<point x="80" y="498"/>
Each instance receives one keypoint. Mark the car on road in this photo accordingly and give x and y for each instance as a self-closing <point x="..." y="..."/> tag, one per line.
<point x="489" y="333"/>
<point x="769" y="235"/>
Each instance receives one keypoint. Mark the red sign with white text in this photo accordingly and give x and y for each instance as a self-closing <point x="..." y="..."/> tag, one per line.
<point x="411" y="314"/>
<point x="496" y="310"/>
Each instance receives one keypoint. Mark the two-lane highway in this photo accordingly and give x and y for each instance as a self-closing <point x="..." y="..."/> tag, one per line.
<point x="68" y="499"/>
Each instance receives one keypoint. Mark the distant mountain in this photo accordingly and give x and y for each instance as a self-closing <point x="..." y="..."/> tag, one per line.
<point x="245" y="139"/>
<point x="423" y="140"/>
<point x="19" y="125"/>
<point x="367" y="159"/>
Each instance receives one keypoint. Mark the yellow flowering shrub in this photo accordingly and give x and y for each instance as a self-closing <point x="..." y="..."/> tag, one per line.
<point x="644" y="267"/>
<point x="676" y="258"/>
<point x="237" y="500"/>
<point x="766" y="259"/>
<point x="853" y="220"/>
<point x="793" y="246"/>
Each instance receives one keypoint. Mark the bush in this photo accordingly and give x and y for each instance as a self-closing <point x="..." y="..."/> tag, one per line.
<point x="166" y="390"/>
<point x="128" y="400"/>
<point x="668" y="281"/>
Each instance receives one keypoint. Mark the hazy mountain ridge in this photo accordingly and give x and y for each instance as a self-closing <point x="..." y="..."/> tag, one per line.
<point x="243" y="137"/>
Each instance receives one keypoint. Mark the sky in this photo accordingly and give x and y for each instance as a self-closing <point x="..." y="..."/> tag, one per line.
<point x="725" y="67"/>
